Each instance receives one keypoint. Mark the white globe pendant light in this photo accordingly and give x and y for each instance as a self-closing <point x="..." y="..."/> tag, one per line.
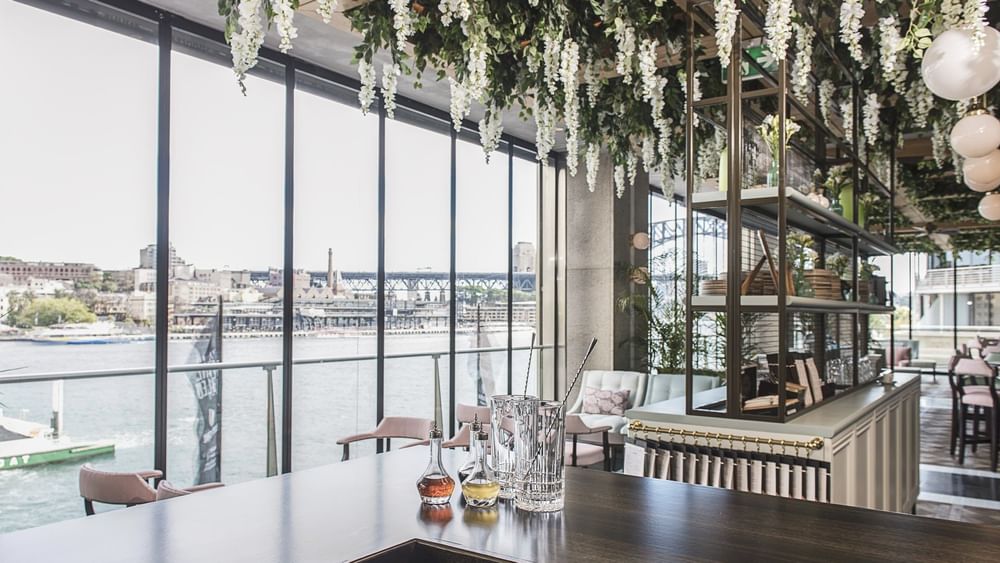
<point x="989" y="207"/>
<point x="983" y="188"/>
<point x="975" y="135"/>
<point x="950" y="69"/>
<point x="983" y="170"/>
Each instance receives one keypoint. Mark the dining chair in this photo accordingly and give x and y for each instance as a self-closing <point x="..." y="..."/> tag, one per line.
<point x="118" y="488"/>
<point x="166" y="490"/>
<point x="582" y="453"/>
<point x="390" y="427"/>
<point x="466" y="415"/>
<point x="976" y="383"/>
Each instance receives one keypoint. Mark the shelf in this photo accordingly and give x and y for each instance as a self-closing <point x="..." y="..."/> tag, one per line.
<point x="769" y="303"/>
<point x="801" y="213"/>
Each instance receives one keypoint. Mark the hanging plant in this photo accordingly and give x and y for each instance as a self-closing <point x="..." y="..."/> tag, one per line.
<point x="826" y="92"/>
<point x="851" y="13"/>
<point x="804" y="37"/>
<point x="870" y="120"/>
<point x="778" y="26"/>
<point x="727" y="15"/>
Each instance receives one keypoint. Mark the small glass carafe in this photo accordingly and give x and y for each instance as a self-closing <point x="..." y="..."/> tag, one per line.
<point x="481" y="487"/>
<point x="435" y="485"/>
<point x="470" y="460"/>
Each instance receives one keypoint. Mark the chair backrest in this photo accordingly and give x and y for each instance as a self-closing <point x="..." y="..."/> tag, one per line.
<point x="109" y="487"/>
<point x="973" y="366"/>
<point x="899" y="354"/>
<point x="665" y="386"/>
<point x="166" y="490"/>
<point x="404" y="427"/>
<point x="467" y="413"/>
<point x="634" y="381"/>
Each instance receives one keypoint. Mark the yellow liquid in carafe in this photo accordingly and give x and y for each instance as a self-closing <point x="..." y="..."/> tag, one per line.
<point x="482" y="493"/>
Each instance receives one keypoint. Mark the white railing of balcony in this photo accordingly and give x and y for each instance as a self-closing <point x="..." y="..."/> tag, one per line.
<point x="970" y="279"/>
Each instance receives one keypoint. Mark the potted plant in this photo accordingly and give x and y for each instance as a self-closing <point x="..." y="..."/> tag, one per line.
<point x="769" y="131"/>
<point x="838" y="184"/>
<point x="801" y="258"/>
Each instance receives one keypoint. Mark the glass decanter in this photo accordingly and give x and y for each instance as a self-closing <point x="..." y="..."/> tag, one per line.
<point x="470" y="460"/>
<point x="435" y="485"/>
<point x="481" y="487"/>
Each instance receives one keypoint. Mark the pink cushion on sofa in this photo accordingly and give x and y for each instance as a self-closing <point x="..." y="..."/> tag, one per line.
<point x="605" y="401"/>
<point x="900" y="355"/>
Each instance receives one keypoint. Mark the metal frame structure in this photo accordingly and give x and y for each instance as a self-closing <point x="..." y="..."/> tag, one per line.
<point x="741" y="211"/>
<point x="408" y="110"/>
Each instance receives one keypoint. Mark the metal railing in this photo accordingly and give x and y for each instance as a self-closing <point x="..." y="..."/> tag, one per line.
<point x="969" y="278"/>
<point x="265" y="365"/>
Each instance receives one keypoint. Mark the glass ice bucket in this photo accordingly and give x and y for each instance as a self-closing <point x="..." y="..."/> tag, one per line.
<point x="539" y="445"/>
<point x="502" y="409"/>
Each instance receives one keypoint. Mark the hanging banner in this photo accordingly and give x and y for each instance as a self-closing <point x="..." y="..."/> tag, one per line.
<point x="207" y="388"/>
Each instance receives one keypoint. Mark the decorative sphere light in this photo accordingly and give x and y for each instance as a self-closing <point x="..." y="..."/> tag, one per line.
<point x="982" y="170"/>
<point x="975" y="135"/>
<point x="989" y="207"/>
<point x="951" y="71"/>
<point x="978" y="187"/>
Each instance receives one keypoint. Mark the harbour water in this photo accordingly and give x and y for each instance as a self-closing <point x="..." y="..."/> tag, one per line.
<point x="331" y="400"/>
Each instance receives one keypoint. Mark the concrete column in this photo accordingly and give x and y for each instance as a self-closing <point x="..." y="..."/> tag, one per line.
<point x="598" y="254"/>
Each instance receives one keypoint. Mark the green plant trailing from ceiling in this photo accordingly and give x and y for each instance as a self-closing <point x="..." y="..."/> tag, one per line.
<point x="597" y="67"/>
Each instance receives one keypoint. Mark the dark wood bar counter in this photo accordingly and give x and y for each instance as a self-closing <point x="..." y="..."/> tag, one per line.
<point x="349" y="511"/>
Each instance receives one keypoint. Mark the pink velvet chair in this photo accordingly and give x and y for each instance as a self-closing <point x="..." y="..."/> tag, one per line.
<point x="584" y="454"/>
<point x="466" y="414"/>
<point x="976" y="386"/>
<point x="166" y="489"/>
<point x="109" y="487"/>
<point x="391" y="427"/>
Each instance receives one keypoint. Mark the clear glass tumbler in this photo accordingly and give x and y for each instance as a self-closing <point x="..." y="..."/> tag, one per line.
<point x="539" y="445"/>
<point x="502" y="437"/>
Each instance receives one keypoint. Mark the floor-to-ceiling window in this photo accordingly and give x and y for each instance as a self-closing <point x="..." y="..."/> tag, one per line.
<point x="77" y="178"/>
<point x="226" y="224"/>
<point x="336" y="245"/>
<point x="525" y="304"/>
<point x="417" y="265"/>
<point x="481" y="273"/>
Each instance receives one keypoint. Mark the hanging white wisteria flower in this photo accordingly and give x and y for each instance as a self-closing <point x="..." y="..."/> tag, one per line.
<point x="490" y="130"/>
<point x="454" y="10"/>
<point x="592" y="78"/>
<point x="551" y="61"/>
<point x="726" y="17"/>
<point x="284" y="17"/>
<point x="851" y="13"/>
<point x="870" y="120"/>
<point x="974" y="19"/>
<point x="826" y="91"/>
<point x="460" y="103"/>
<point x="619" y="178"/>
<point x="390" y="80"/>
<point x="889" y="45"/>
<point x="919" y="100"/>
<point x="648" y="149"/>
<point x="951" y="13"/>
<point x="246" y="40"/>
<point x="804" y="36"/>
<point x="476" y="79"/>
<point x="682" y="76"/>
<point x="631" y="168"/>
<point x="366" y="94"/>
<point x="545" y="130"/>
<point x="778" y="26"/>
<point x="647" y="74"/>
<point x="402" y="20"/>
<point x="847" y="112"/>
<point x="593" y="158"/>
<point x="325" y="9"/>
<point x="569" y="72"/>
<point x="625" y="37"/>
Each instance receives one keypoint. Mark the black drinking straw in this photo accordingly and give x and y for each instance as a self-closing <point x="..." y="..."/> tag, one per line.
<point x="530" y="351"/>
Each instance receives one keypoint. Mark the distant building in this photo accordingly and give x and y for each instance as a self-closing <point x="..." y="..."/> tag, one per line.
<point x="224" y="279"/>
<point x="185" y="292"/>
<point x="112" y="306"/>
<point x="524" y="257"/>
<point x="144" y="280"/>
<point x="142" y="307"/>
<point x="300" y="278"/>
<point x="147" y="257"/>
<point x="22" y="271"/>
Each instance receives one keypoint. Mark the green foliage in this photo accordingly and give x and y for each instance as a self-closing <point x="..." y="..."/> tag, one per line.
<point x="47" y="311"/>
